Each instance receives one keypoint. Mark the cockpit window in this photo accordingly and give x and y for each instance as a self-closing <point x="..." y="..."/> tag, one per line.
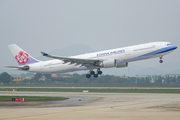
<point x="169" y="44"/>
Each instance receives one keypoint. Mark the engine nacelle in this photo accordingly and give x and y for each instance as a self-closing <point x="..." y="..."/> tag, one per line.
<point x="113" y="63"/>
<point x="108" y="63"/>
<point x="120" y="65"/>
<point x="23" y="68"/>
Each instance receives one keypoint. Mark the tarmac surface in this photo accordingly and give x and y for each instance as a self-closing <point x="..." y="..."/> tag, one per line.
<point x="97" y="106"/>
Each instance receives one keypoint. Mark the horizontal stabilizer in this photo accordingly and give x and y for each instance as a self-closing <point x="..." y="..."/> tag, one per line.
<point x="44" y="54"/>
<point x="19" y="67"/>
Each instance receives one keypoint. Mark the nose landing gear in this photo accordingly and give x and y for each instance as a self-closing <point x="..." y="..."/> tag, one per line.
<point x="161" y="61"/>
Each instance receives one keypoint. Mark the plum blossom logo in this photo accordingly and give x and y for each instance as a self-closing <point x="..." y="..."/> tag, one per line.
<point x="22" y="57"/>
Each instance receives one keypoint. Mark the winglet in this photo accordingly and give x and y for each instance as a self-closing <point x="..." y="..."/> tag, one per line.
<point x="44" y="54"/>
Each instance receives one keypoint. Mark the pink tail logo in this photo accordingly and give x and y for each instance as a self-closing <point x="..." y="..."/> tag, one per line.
<point x="22" y="57"/>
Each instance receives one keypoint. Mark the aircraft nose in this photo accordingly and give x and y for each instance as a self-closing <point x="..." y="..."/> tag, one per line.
<point x="175" y="47"/>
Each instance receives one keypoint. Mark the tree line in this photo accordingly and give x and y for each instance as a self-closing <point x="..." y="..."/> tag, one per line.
<point x="81" y="79"/>
<point x="5" y="77"/>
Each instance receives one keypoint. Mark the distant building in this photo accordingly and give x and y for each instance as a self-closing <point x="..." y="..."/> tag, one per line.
<point x="54" y="75"/>
<point x="18" y="78"/>
<point x="31" y="77"/>
<point x="136" y="76"/>
<point x="58" y="76"/>
<point x="64" y="76"/>
<point x="170" y="75"/>
<point x="43" y="78"/>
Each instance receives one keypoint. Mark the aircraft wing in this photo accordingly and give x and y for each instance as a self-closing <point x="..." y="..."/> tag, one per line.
<point x="78" y="61"/>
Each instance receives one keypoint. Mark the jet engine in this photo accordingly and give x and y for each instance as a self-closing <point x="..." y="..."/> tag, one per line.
<point x="113" y="63"/>
<point x="24" y="68"/>
<point x="120" y="65"/>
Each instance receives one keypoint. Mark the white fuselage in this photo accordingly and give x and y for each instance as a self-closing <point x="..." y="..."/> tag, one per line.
<point x="125" y="54"/>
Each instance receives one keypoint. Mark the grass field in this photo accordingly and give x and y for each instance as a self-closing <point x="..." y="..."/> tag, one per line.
<point x="98" y="90"/>
<point x="32" y="98"/>
<point x="93" y="86"/>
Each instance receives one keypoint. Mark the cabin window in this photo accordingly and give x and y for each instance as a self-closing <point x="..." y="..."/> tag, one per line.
<point x="169" y="44"/>
<point x="153" y="46"/>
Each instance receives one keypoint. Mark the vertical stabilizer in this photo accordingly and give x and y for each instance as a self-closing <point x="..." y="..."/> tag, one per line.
<point x="22" y="57"/>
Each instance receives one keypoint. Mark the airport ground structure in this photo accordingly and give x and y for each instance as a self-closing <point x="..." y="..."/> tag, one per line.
<point x="81" y="80"/>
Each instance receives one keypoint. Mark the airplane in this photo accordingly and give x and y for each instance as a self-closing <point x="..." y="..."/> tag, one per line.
<point x="118" y="58"/>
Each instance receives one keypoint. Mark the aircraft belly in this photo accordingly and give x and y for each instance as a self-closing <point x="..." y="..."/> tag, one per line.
<point x="59" y="67"/>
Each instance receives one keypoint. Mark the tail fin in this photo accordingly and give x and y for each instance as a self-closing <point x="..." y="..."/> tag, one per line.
<point x="22" y="57"/>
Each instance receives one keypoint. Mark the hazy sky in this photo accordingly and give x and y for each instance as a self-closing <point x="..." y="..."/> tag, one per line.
<point x="37" y="25"/>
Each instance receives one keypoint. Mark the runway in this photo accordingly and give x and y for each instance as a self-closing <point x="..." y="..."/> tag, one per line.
<point x="114" y="106"/>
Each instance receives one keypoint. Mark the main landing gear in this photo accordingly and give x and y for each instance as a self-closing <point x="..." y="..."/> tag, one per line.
<point x="91" y="72"/>
<point x="161" y="61"/>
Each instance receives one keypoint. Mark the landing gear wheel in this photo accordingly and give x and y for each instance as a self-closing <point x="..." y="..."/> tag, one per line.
<point x="88" y="76"/>
<point x="95" y="75"/>
<point x="161" y="61"/>
<point x="99" y="72"/>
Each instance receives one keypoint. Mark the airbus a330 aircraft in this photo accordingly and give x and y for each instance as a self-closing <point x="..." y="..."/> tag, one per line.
<point x="118" y="58"/>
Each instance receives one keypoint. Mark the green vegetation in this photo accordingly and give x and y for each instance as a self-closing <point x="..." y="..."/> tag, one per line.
<point x="87" y="86"/>
<point x="81" y="80"/>
<point x="32" y="98"/>
<point x="5" y="77"/>
<point x="98" y="90"/>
